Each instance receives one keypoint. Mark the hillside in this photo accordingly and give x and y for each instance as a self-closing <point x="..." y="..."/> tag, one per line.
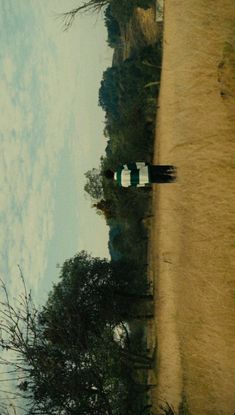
<point x="141" y="30"/>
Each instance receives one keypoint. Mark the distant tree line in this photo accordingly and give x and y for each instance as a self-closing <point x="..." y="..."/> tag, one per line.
<point x="128" y="95"/>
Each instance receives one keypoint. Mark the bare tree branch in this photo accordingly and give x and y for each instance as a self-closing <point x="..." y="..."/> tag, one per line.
<point x="90" y="6"/>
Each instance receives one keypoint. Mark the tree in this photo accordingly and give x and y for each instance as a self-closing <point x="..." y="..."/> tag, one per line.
<point x="91" y="294"/>
<point x="94" y="185"/>
<point x="106" y="207"/>
<point x="67" y="357"/>
<point x="112" y="26"/>
<point x="90" y="6"/>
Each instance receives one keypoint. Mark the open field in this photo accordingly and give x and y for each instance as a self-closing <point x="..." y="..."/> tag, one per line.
<point x="193" y="234"/>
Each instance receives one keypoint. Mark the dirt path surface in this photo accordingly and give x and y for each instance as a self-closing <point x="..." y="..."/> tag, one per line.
<point x="193" y="234"/>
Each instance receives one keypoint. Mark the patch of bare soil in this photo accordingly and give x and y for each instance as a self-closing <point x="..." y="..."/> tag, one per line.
<point x="193" y="233"/>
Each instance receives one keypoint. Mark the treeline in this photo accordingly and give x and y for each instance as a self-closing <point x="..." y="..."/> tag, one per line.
<point x="128" y="94"/>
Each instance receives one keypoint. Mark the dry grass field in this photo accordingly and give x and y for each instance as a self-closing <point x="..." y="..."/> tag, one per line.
<point x="193" y="233"/>
<point x="141" y="31"/>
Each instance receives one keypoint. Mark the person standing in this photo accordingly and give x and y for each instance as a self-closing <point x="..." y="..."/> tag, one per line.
<point x="140" y="174"/>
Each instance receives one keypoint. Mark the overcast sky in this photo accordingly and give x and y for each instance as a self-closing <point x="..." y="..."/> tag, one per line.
<point x="51" y="133"/>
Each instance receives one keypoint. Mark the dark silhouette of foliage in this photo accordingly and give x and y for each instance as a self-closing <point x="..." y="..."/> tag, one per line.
<point x="76" y="354"/>
<point x="123" y="88"/>
<point x="106" y="207"/>
<point x="93" y="184"/>
<point x="128" y="95"/>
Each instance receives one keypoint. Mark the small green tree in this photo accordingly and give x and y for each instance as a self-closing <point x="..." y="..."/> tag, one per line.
<point x="94" y="185"/>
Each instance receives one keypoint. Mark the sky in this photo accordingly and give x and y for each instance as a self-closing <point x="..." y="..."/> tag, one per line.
<point x="51" y="133"/>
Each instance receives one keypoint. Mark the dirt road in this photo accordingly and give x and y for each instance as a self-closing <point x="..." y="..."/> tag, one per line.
<point x="193" y="236"/>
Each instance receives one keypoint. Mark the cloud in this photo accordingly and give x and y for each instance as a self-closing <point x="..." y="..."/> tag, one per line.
<point x="42" y="109"/>
<point x="40" y="104"/>
<point x="32" y="139"/>
<point x="8" y="68"/>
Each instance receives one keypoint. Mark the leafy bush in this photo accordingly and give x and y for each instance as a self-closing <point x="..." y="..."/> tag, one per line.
<point x="126" y="87"/>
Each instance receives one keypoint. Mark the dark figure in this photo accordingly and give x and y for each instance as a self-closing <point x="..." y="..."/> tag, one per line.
<point x="162" y="174"/>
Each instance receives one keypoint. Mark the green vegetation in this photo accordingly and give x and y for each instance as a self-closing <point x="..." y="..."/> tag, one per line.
<point x="130" y="109"/>
<point x="128" y="95"/>
<point x="78" y="355"/>
<point x="113" y="28"/>
<point x="94" y="185"/>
